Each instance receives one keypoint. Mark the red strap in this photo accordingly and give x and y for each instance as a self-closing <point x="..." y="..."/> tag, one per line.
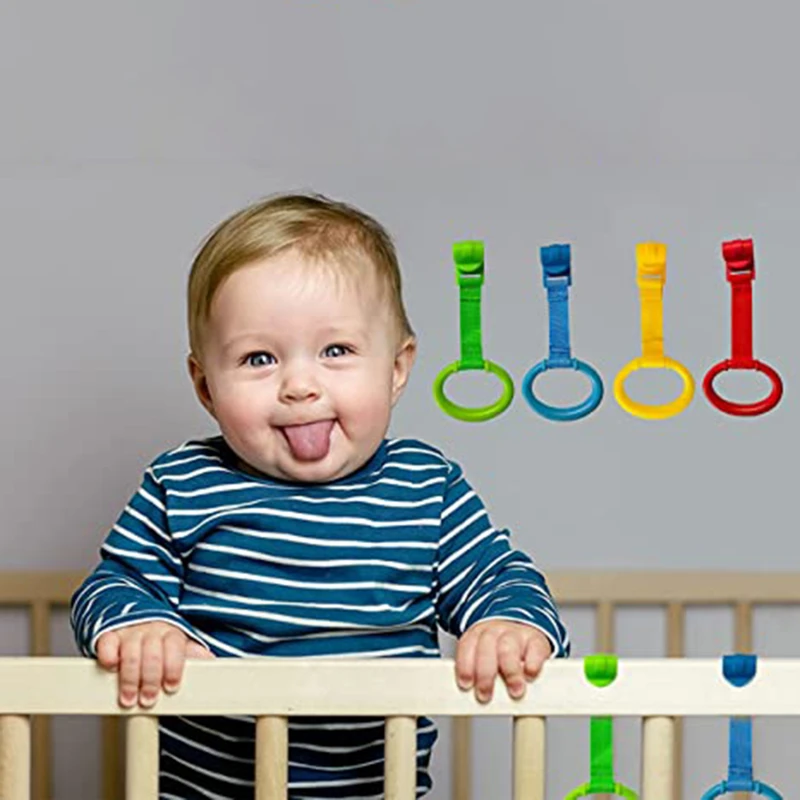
<point x="741" y="269"/>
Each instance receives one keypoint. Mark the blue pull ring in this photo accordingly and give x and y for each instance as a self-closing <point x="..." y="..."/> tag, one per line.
<point x="557" y="278"/>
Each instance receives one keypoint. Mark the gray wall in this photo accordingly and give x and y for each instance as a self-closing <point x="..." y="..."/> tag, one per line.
<point x="127" y="132"/>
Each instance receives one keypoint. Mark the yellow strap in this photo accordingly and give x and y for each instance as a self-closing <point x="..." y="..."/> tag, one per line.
<point x="651" y="275"/>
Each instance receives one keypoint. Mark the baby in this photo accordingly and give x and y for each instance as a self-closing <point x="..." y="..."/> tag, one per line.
<point x="302" y="530"/>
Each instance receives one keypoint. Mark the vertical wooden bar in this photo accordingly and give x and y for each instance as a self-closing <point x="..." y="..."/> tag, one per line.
<point x="604" y="621"/>
<point x="604" y="641"/>
<point x="529" y="762"/>
<point x="400" y="779"/>
<point x="462" y="758"/>
<point x="676" y="635"/>
<point x="676" y="647"/>
<point x="113" y="768"/>
<point x="743" y="628"/>
<point x="743" y="643"/>
<point x="15" y="758"/>
<point x="658" y="758"/>
<point x="42" y="749"/>
<point x="272" y="758"/>
<point x="141" y="758"/>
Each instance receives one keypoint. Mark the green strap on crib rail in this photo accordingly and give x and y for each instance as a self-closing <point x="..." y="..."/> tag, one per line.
<point x="601" y="670"/>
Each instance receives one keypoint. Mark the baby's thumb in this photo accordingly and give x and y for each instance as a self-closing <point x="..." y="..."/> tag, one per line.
<point x="196" y="650"/>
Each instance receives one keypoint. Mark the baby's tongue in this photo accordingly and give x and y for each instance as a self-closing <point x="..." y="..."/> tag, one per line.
<point x="309" y="442"/>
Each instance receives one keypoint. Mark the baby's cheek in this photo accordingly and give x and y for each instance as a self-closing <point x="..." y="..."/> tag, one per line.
<point x="240" y="423"/>
<point x="371" y="407"/>
<point x="242" y="407"/>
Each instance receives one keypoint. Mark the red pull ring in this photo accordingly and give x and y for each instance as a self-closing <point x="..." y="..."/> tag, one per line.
<point x="740" y="270"/>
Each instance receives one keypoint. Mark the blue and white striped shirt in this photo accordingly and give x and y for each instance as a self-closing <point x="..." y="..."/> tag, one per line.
<point x="367" y="566"/>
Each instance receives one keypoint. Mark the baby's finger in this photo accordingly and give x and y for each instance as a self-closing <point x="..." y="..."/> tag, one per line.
<point x="152" y="673"/>
<point x="196" y="650"/>
<point x="108" y="650"/>
<point x="535" y="656"/>
<point x="465" y="660"/>
<point x="130" y="664"/>
<point x="175" y="645"/>
<point x="510" y="664"/>
<point x="485" y="666"/>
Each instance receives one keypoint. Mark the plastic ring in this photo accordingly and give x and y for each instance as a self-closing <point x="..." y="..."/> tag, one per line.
<point x="743" y="409"/>
<point x="757" y="787"/>
<point x="464" y="413"/>
<point x="644" y="410"/>
<point x="563" y="414"/>
<point x="620" y="790"/>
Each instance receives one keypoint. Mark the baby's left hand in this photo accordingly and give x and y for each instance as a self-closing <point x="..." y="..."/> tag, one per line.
<point x="515" y="650"/>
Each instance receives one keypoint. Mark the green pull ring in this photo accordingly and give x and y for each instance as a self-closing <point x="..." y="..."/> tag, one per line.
<point x="468" y="257"/>
<point x="601" y="670"/>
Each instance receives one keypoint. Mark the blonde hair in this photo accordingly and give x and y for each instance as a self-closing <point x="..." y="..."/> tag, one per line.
<point x="317" y="227"/>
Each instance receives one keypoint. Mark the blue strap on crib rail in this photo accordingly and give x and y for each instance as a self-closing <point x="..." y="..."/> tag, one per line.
<point x="739" y="670"/>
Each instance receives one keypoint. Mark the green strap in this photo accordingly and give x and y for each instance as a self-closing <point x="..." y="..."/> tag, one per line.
<point x="601" y="670"/>
<point x="468" y="257"/>
<point x="601" y="749"/>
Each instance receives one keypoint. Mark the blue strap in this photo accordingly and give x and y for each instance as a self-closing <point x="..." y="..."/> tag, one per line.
<point x="739" y="670"/>
<point x="740" y="755"/>
<point x="557" y="278"/>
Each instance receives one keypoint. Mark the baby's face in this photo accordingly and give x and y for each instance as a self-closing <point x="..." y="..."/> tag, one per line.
<point x="301" y="367"/>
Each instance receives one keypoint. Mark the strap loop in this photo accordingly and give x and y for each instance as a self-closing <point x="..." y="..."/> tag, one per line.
<point x="740" y="270"/>
<point x="557" y="278"/>
<point x="468" y="257"/>
<point x="601" y="670"/>
<point x="739" y="670"/>
<point x="651" y="276"/>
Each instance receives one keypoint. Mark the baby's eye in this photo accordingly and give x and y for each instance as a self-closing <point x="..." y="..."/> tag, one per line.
<point x="260" y="359"/>
<point x="336" y="350"/>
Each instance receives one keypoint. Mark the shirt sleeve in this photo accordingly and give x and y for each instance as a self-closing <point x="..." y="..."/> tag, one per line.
<point x="139" y="576"/>
<point x="481" y="576"/>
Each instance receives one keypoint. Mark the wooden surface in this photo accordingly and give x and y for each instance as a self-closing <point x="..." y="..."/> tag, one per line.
<point x="405" y="687"/>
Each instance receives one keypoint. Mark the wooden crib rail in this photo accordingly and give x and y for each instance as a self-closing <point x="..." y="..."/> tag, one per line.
<point x="605" y="592"/>
<point x="400" y="690"/>
<point x="686" y="687"/>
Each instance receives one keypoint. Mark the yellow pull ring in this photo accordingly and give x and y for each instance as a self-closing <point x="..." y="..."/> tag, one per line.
<point x="651" y="273"/>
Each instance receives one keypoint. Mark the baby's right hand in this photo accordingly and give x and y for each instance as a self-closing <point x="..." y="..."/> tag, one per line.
<point x="147" y="656"/>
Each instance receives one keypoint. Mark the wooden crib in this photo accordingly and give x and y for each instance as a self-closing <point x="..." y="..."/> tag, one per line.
<point x="604" y="592"/>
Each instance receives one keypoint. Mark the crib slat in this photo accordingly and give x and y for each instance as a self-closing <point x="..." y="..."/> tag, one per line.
<point x="272" y="758"/>
<point x="604" y="635"/>
<point x="15" y="758"/>
<point x="658" y="757"/>
<point x="529" y="758"/>
<point x="400" y="779"/>
<point x="141" y="758"/>
<point x="675" y="630"/>
<point x="676" y="644"/>
<point x="743" y="628"/>
<point x="462" y="758"/>
<point x="112" y="773"/>
<point x="41" y="731"/>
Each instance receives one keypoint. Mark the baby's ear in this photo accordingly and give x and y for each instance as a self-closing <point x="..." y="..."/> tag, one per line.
<point x="403" y="362"/>
<point x="200" y="383"/>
